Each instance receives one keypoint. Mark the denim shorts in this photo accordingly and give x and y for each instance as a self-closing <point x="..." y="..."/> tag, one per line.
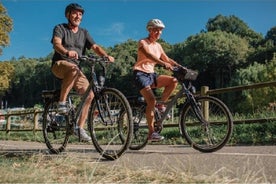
<point x="142" y="79"/>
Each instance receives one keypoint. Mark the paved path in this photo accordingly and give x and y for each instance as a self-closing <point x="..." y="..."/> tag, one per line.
<point x="236" y="161"/>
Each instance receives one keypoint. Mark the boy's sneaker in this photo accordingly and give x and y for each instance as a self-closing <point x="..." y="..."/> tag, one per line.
<point x="155" y="137"/>
<point x="62" y="108"/>
<point x="81" y="133"/>
<point x="162" y="108"/>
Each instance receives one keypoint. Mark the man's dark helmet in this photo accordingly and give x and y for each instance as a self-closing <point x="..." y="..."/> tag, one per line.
<point x="73" y="6"/>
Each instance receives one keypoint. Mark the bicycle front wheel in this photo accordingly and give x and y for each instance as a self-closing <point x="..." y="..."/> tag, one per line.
<point x="54" y="127"/>
<point x="110" y="123"/>
<point x="206" y="124"/>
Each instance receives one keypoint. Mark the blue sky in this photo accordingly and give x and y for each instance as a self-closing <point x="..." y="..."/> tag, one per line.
<point x="112" y="22"/>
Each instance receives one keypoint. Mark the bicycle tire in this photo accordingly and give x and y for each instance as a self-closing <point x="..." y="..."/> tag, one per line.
<point x="140" y="129"/>
<point x="54" y="127"/>
<point x="110" y="123"/>
<point x="219" y="124"/>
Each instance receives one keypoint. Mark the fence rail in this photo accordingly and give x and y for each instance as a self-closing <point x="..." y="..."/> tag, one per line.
<point x="8" y="124"/>
<point x="204" y="91"/>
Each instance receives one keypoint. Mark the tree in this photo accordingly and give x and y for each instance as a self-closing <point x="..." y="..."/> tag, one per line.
<point x="6" y="71"/>
<point x="23" y="83"/>
<point x="270" y="43"/>
<point x="233" y="24"/>
<point x="215" y="54"/>
<point x="271" y="37"/>
<point x="119" y="73"/>
<point x="6" y="26"/>
<point x="251" y="101"/>
<point x="266" y="51"/>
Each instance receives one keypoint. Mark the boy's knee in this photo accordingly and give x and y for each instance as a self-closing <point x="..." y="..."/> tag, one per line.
<point x="174" y="80"/>
<point x="90" y="97"/>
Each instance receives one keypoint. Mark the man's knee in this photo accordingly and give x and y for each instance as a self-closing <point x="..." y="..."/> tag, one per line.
<point x="81" y="83"/>
<point x="74" y="71"/>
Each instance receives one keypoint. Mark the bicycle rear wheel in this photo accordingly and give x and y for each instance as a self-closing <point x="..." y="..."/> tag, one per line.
<point x="140" y="129"/>
<point x="54" y="127"/>
<point x="208" y="125"/>
<point x="110" y="123"/>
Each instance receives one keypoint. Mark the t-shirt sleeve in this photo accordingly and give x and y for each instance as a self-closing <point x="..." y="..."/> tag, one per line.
<point x="57" y="32"/>
<point x="89" y="40"/>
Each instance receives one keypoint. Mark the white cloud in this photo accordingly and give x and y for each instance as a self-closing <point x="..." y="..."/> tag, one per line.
<point x="114" y="33"/>
<point x="115" y="28"/>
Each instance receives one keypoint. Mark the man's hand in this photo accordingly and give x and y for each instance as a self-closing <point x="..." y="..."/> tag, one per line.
<point x="73" y="54"/>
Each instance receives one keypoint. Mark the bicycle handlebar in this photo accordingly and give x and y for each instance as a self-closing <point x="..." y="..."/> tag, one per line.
<point x="94" y="58"/>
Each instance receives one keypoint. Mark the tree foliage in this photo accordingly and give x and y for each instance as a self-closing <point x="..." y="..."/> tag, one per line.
<point x="255" y="100"/>
<point x="266" y="50"/>
<point x="6" y="71"/>
<point x="234" y="25"/>
<point x="228" y="51"/>
<point x="6" y="26"/>
<point x="30" y="78"/>
<point x="271" y="37"/>
<point x="215" y="54"/>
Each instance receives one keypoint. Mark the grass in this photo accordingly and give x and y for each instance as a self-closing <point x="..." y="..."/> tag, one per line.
<point x="40" y="168"/>
<point x="243" y="134"/>
<point x="68" y="168"/>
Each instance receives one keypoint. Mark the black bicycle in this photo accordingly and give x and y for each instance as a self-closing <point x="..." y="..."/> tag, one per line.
<point x="204" y="121"/>
<point x="109" y="122"/>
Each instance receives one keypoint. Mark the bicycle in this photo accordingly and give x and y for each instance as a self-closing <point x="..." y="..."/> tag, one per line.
<point x="109" y="121"/>
<point x="204" y="121"/>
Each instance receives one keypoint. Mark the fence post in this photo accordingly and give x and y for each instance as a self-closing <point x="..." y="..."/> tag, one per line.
<point x="8" y="125"/>
<point x="203" y="92"/>
<point x="36" y="117"/>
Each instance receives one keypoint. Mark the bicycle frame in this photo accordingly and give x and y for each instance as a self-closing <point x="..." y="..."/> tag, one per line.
<point x="184" y="91"/>
<point x="204" y="121"/>
<point x="117" y="129"/>
<point x="94" y="87"/>
<point x="83" y="98"/>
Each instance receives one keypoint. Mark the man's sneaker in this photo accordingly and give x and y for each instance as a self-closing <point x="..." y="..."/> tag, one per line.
<point x="155" y="137"/>
<point x="62" y="108"/>
<point x="81" y="133"/>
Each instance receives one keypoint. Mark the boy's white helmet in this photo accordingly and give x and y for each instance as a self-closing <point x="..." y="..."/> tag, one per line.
<point x="155" y="23"/>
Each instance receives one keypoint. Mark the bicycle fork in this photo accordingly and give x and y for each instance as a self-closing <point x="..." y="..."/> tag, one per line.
<point x="197" y="109"/>
<point x="105" y="109"/>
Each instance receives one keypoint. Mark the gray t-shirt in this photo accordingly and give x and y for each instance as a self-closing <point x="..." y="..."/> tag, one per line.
<point x="78" y="42"/>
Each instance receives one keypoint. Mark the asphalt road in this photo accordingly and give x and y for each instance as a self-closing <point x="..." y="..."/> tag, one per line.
<point x="233" y="161"/>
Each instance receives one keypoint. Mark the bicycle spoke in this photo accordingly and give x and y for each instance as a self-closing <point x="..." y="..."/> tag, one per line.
<point x="140" y="129"/>
<point x="212" y="129"/>
<point x="110" y="124"/>
<point x="54" y="128"/>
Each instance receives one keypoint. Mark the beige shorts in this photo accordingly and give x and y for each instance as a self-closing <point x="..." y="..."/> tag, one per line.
<point x="67" y="72"/>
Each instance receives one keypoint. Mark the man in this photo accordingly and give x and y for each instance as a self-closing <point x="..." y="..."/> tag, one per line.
<point x="70" y="42"/>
